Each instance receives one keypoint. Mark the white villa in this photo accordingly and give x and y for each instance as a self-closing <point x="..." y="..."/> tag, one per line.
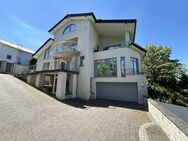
<point x="91" y="58"/>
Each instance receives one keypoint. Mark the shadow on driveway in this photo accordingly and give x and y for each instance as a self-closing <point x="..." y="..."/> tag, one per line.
<point x="79" y="103"/>
<point x="84" y="104"/>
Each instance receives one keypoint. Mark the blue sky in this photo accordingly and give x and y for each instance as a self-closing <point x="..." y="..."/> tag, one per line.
<point x="159" y="22"/>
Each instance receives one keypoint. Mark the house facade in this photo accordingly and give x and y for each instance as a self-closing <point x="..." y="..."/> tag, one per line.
<point x="90" y="58"/>
<point x="11" y="55"/>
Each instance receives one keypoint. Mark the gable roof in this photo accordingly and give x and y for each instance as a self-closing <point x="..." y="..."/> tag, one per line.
<point x="18" y="47"/>
<point x="96" y="20"/>
<point x="138" y="47"/>
<point x="50" y="39"/>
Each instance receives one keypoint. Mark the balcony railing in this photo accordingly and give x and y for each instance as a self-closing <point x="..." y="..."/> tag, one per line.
<point x="113" y="46"/>
<point x="58" y="49"/>
<point x="130" y="71"/>
<point x="113" y="73"/>
<point x="54" y="65"/>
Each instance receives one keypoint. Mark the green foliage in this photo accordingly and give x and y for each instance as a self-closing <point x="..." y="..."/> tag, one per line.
<point x="33" y="61"/>
<point x="166" y="77"/>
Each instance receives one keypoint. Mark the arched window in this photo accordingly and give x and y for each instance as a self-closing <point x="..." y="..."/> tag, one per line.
<point x="69" y="28"/>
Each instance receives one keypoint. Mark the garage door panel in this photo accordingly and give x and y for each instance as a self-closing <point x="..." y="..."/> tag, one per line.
<point x="117" y="91"/>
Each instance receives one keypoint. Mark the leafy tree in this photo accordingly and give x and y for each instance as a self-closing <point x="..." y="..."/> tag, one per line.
<point x="163" y="75"/>
<point x="33" y="61"/>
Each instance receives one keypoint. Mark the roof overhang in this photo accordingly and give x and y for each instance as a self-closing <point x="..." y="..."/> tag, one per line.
<point x="98" y="22"/>
<point x="117" y="30"/>
<point x="138" y="47"/>
<point x="46" y="45"/>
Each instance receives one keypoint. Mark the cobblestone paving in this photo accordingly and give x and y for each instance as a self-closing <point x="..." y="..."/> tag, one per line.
<point x="26" y="114"/>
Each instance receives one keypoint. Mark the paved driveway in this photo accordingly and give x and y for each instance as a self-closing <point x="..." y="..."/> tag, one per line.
<point x="27" y="114"/>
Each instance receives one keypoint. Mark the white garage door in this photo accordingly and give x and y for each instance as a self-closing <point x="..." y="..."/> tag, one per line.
<point x="117" y="91"/>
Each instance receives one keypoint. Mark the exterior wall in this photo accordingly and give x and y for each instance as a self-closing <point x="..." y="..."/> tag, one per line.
<point x="170" y="128"/>
<point x="127" y="53"/>
<point x="82" y="33"/>
<point x="106" y="41"/>
<point x="6" y="50"/>
<point x="61" y="85"/>
<point x="39" y="80"/>
<point x="31" y="79"/>
<point x="3" y="66"/>
<point x="94" y="40"/>
<point x="41" y="60"/>
<point x="25" y="57"/>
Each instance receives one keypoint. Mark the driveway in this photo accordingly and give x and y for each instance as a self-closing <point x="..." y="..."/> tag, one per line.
<point x="26" y="114"/>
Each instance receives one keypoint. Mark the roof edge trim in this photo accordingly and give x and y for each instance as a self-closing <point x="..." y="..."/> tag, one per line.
<point x="139" y="47"/>
<point x="95" y="19"/>
<point x="50" y="39"/>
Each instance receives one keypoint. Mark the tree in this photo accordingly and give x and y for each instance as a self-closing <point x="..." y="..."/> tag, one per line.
<point x="162" y="74"/>
<point x="33" y="61"/>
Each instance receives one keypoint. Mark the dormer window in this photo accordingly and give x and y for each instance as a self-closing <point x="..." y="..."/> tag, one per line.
<point x="69" y="28"/>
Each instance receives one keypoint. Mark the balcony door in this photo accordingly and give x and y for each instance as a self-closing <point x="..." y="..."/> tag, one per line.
<point x="63" y="65"/>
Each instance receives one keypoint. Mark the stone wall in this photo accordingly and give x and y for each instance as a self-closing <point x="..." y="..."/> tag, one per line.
<point x="175" y="128"/>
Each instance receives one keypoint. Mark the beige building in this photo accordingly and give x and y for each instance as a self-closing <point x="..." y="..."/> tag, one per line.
<point x="90" y="58"/>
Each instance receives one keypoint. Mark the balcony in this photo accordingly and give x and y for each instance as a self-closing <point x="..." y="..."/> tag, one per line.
<point x="113" y="47"/>
<point x="65" y="49"/>
<point x="64" y="52"/>
<point x="55" y="65"/>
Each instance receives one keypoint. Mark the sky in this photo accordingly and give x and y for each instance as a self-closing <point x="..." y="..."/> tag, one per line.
<point x="159" y="22"/>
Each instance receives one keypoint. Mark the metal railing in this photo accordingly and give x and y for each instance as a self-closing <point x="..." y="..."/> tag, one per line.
<point x="54" y="65"/>
<point x="130" y="71"/>
<point x="57" y="49"/>
<point x="113" y="46"/>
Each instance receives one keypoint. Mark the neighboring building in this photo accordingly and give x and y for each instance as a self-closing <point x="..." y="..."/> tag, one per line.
<point x="11" y="54"/>
<point x="91" y="58"/>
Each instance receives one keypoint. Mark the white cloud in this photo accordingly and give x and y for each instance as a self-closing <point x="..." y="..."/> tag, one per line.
<point x="25" y="25"/>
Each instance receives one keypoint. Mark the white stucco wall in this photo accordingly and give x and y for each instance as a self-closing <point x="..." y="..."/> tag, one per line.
<point x="15" y="53"/>
<point x="82" y="33"/>
<point x="106" y="41"/>
<point x="127" y="53"/>
<point x="41" y="60"/>
<point x="6" y="50"/>
<point x="25" y="57"/>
